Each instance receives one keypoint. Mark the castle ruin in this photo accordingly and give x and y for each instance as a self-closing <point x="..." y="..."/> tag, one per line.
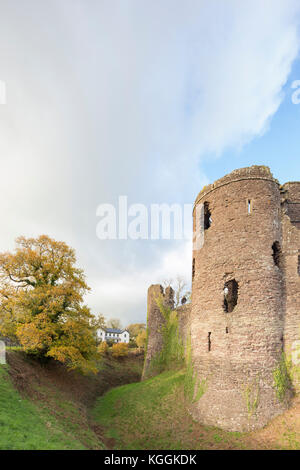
<point x="245" y="308"/>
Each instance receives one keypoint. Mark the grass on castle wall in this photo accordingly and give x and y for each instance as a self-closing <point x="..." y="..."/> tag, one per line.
<point x="25" y="426"/>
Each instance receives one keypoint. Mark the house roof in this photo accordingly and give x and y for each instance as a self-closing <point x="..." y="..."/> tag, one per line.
<point x="114" y="330"/>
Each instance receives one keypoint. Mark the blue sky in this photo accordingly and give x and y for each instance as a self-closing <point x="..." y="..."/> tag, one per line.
<point x="278" y="147"/>
<point x="147" y="99"/>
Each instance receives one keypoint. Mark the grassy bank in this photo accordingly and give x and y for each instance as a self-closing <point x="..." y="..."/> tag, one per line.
<point x="43" y="406"/>
<point x="153" y="415"/>
<point x="23" y="425"/>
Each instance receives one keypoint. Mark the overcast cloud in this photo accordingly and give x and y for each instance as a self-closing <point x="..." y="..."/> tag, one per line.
<point x="109" y="98"/>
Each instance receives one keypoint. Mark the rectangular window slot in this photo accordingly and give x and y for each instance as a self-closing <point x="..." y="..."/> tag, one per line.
<point x="249" y="205"/>
<point x="209" y="341"/>
<point x="207" y="216"/>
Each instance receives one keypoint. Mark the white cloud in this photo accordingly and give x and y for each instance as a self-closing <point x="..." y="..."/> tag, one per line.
<point x="129" y="288"/>
<point x="109" y="98"/>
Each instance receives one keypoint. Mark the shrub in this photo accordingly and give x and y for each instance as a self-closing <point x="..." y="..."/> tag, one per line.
<point x="103" y="348"/>
<point x="282" y="379"/>
<point x="120" y="350"/>
<point x="132" y="343"/>
<point x="141" y="339"/>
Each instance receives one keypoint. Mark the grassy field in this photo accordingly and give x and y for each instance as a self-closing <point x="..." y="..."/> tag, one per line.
<point x="153" y="415"/>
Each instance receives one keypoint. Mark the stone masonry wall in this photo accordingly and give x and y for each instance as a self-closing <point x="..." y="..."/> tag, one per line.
<point x="291" y="251"/>
<point x="184" y="317"/>
<point x="155" y="321"/>
<point x="238" y="350"/>
<point x="245" y="307"/>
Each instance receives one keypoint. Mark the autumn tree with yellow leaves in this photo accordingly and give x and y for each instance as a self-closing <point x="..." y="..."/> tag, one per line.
<point x="41" y="303"/>
<point x="141" y="339"/>
<point x="120" y="350"/>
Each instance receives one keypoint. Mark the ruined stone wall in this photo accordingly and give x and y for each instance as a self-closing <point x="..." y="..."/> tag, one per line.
<point x="245" y="307"/>
<point x="184" y="317"/>
<point x="291" y="252"/>
<point x="155" y="321"/>
<point x="239" y="349"/>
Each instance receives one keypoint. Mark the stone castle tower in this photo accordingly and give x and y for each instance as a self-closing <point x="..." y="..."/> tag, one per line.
<point x="245" y="308"/>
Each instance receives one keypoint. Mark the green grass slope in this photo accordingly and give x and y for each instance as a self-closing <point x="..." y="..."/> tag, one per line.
<point x="154" y="415"/>
<point x="44" y="406"/>
<point x="24" y="426"/>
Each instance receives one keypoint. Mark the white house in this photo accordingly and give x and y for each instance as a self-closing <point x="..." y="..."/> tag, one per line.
<point x="114" y="335"/>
